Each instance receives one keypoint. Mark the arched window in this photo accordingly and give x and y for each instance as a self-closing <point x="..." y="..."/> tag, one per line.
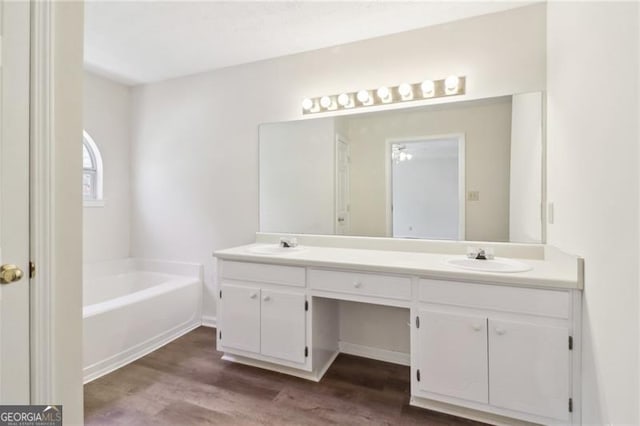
<point x="91" y="171"/>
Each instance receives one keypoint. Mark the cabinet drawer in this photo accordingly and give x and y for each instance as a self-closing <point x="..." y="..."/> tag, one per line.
<point x="541" y="302"/>
<point x="260" y="272"/>
<point x="389" y="286"/>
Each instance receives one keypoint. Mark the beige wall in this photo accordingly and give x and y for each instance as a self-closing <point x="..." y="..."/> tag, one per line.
<point x="487" y="129"/>
<point x="107" y="120"/>
<point x="360" y="324"/>
<point x="66" y="211"/>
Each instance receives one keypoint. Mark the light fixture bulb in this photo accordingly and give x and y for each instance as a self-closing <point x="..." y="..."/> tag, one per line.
<point x="405" y="90"/>
<point x="343" y="100"/>
<point x="451" y="84"/>
<point x="363" y="96"/>
<point x="427" y="88"/>
<point x="384" y="94"/>
<point x="307" y="104"/>
<point x="325" y="102"/>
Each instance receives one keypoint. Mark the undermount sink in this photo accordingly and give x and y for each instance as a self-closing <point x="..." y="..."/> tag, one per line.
<point x="494" y="265"/>
<point x="274" y="249"/>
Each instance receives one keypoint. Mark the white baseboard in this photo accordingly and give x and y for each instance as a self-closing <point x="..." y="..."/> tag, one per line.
<point x="209" y="321"/>
<point x="393" y="357"/>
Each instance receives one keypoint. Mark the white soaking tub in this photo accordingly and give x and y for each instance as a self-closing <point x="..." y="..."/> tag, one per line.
<point x="132" y="307"/>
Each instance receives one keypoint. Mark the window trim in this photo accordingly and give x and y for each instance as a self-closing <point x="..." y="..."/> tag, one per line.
<point x="94" y="152"/>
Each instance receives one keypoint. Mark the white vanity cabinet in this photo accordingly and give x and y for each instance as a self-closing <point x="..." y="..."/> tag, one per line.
<point x="507" y="348"/>
<point x="282" y="325"/>
<point x="260" y="316"/>
<point x="487" y="350"/>
<point x="452" y="355"/>
<point x="529" y="368"/>
<point x="241" y="317"/>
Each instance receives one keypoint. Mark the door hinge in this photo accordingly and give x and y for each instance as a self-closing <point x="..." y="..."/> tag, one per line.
<point x="417" y="322"/>
<point x="571" y="405"/>
<point x="570" y="343"/>
<point x="306" y="305"/>
<point x="32" y="269"/>
<point x="220" y="294"/>
<point x="220" y="335"/>
<point x="306" y="351"/>
<point x="418" y="375"/>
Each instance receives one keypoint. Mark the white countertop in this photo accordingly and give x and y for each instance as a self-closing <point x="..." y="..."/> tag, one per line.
<point x="558" y="271"/>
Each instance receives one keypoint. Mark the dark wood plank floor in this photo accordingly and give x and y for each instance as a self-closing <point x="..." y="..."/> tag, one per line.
<point x="186" y="383"/>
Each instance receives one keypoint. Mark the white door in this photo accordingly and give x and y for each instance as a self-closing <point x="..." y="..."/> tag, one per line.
<point x="240" y="317"/>
<point x="529" y="368"/>
<point x="452" y="351"/>
<point x="14" y="203"/>
<point x="283" y="325"/>
<point x="427" y="188"/>
<point x="343" y="198"/>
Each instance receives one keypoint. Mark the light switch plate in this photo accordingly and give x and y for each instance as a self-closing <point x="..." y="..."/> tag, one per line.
<point x="473" y="196"/>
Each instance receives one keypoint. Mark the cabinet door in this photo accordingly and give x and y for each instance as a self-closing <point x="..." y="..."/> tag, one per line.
<point x="529" y="368"/>
<point x="453" y="355"/>
<point x="240" y="315"/>
<point x="283" y="325"/>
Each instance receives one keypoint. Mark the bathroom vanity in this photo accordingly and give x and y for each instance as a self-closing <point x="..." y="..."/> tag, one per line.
<point x="484" y="345"/>
<point x="499" y="342"/>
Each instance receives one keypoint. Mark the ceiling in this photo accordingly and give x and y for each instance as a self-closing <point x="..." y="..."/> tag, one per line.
<point x="138" y="42"/>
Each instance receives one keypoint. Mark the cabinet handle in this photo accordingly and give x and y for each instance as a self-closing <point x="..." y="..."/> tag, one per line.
<point x="266" y="298"/>
<point x="357" y="284"/>
<point x="253" y="295"/>
<point x="500" y="331"/>
<point x="476" y="327"/>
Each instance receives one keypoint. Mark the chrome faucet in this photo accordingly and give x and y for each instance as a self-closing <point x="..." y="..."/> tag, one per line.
<point x="288" y="242"/>
<point x="479" y="253"/>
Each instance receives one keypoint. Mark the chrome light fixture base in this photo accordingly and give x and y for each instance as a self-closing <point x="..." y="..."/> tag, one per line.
<point x="405" y="92"/>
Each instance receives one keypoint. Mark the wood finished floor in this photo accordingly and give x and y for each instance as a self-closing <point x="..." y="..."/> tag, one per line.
<point x="186" y="383"/>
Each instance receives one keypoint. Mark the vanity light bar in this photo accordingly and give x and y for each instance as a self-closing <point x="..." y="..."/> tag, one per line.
<point x="405" y="92"/>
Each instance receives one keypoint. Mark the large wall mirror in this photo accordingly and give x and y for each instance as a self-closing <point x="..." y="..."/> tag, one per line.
<point x="469" y="170"/>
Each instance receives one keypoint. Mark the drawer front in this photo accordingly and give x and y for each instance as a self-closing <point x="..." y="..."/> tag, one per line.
<point x="540" y="302"/>
<point x="388" y="286"/>
<point x="260" y="272"/>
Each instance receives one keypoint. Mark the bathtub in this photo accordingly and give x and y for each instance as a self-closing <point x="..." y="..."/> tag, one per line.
<point x="132" y="307"/>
